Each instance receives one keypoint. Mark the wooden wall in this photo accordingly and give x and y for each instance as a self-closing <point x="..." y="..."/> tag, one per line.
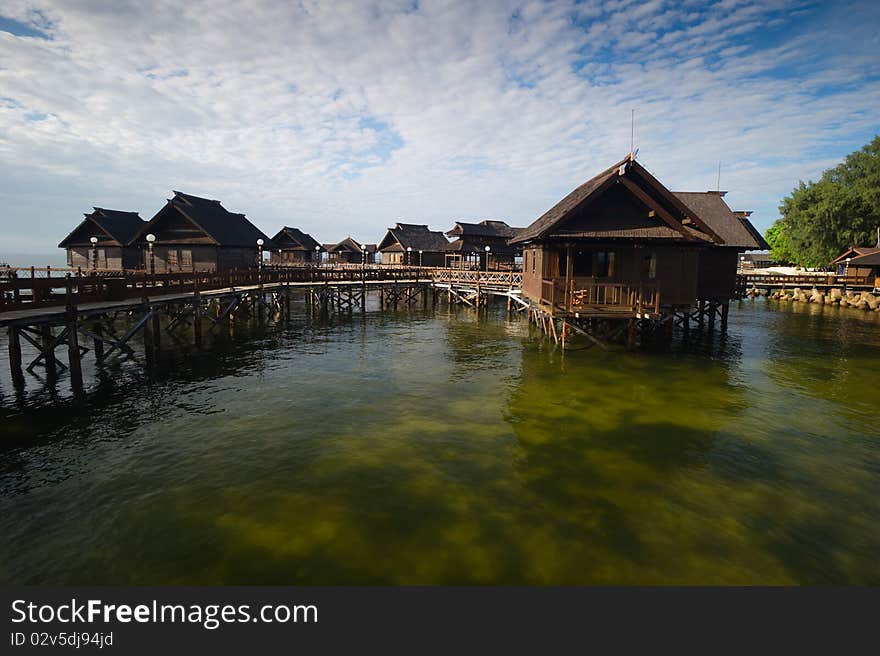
<point x="717" y="273"/>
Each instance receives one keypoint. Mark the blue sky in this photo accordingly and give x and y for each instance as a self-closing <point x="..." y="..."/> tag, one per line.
<point x="343" y="118"/>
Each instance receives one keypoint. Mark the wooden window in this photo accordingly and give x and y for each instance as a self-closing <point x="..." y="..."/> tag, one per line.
<point x="649" y="266"/>
<point x="171" y="261"/>
<point x="534" y="257"/>
<point x="603" y="264"/>
<point x="186" y="258"/>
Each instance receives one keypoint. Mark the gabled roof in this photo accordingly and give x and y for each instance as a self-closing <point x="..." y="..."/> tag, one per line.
<point x="855" y="252"/>
<point x="119" y="226"/>
<point x="735" y="229"/>
<point x="415" y="236"/>
<point x="348" y="244"/>
<point x="675" y="219"/>
<point x="305" y="240"/>
<point x="486" y="228"/>
<point x="868" y="259"/>
<point x="218" y="223"/>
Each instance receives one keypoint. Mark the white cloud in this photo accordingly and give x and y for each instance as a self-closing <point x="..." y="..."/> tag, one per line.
<point x="344" y="117"/>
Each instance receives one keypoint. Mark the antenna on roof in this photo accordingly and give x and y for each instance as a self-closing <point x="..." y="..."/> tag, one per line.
<point x="718" y="180"/>
<point x="632" y="134"/>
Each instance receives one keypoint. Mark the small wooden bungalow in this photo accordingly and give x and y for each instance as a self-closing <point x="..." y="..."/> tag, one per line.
<point x="347" y="251"/>
<point x="622" y="244"/>
<point x="199" y="234"/>
<point x="114" y="231"/>
<point x="471" y="240"/>
<point x="293" y="246"/>
<point x="858" y="261"/>
<point x="413" y="244"/>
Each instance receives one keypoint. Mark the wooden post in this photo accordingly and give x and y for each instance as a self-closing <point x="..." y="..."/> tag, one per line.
<point x="725" y="309"/>
<point x="631" y="333"/>
<point x="98" y="344"/>
<point x="197" y="317"/>
<point x="73" y="354"/>
<point x="157" y="328"/>
<point x="48" y="349"/>
<point x="148" y="335"/>
<point x="712" y="306"/>
<point x="701" y="314"/>
<point x="15" y="356"/>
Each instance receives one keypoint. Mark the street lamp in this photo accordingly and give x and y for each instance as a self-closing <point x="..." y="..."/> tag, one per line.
<point x="150" y="239"/>
<point x="94" y="241"/>
<point x="487" y="249"/>
<point x="317" y="255"/>
<point x="364" y="254"/>
<point x="420" y="258"/>
<point x="260" y="243"/>
<point x="409" y="255"/>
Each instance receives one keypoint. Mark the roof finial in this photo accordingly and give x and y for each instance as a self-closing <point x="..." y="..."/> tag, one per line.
<point x="632" y="135"/>
<point x="718" y="180"/>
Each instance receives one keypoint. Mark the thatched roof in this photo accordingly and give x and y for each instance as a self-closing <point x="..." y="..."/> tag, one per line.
<point x="118" y="226"/>
<point x="295" y="239"/>
<point x="348" y="245"/>
<point x="415" y="236"/>
<point x="485" y="228"/>
<point x="736" y="230"/>
<point x="675" y="220"/>
<point x="223" y="227"/>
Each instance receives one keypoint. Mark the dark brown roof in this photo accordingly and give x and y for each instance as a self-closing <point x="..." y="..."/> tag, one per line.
<point x="415" y="236"/>
<point x="119" y="226"/>
<point x="348" y="244"/>
<point x="486" y="228"/>
<point x="868" y="259"/>
<point x="734" y="230"/>
<point x="855" y="251"/>
<point x="218" y="223"/>
<point x="305" y="240"/>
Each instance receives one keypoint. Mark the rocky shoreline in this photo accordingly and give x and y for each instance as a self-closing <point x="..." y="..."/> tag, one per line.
<point x="865" y="301"/>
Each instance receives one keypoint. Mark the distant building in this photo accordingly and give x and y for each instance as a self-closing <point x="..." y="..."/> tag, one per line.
<point x="347" y="251"/>
<point x="472" y="239"/>
<point x="199" y="234"/>
<point x="413" y="244"/>
<point x="293" y="246"/>
<point x="114" y="231"/>
<point x="859" y="261"/>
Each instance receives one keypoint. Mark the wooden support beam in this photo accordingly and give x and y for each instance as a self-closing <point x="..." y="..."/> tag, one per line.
<point x="73" y="352"/>
<point x="15" y="356"/>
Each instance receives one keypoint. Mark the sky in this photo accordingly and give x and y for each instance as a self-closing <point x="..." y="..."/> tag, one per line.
<point x="344" y="117"/>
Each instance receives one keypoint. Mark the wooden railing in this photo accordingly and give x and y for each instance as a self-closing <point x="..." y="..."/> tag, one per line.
<point x="583" y="295"/>
<point x="23" y="292"/>
<point x="503" y="279"/>
<point x="803" y="279"/>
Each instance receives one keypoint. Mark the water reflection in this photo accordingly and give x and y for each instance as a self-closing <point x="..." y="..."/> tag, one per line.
<point x="447" y="447"/>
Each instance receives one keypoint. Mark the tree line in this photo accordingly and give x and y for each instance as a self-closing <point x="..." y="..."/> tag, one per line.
<point x="821" y="219"/>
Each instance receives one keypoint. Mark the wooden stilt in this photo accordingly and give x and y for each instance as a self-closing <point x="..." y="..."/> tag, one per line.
<point x="725" y="309"/>
<point x="48" y="349"/>
<point x="197" y="318"/>
<point x="73" y="353"/>
<point x="98" y="341"/>
<point x="15" y="356"/>
<point x="631" y="334"/>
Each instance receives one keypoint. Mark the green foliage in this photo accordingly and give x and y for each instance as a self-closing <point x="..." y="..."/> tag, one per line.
<point x="842" y="209"/>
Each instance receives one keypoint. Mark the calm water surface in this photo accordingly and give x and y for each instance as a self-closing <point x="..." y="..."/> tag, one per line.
<point x="438" y="447"/>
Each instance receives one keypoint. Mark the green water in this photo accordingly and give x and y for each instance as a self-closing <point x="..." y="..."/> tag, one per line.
<point x="441" y="448"/>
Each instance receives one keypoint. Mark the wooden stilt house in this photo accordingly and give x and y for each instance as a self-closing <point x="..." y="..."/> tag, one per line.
<point x="471" y="240"/>
<point x="413" y="244"/>
<point x="623" y="245"/>
<point x="858" y="261"/>
<point x="113" y="230"/>
<point x="347" y="251"/>
<point x="199" y="234"/>
<point x="293" y="246"/>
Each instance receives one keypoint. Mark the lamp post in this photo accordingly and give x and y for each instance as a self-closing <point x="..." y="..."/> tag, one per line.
<point x="260" y="243"/>
<point x="420" y="258"/>
<point x="846" y="272"/>
<point x="364" y="254"/>
<point x="409" y="255"/>
<point x="94" y="241"/>
<point x="317" y="255"/>
<point x="487" y="249"/>
<point x="150" y="239"/>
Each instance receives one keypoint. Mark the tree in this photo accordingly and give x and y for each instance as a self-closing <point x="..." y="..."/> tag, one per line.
<point x="842" y="209"/>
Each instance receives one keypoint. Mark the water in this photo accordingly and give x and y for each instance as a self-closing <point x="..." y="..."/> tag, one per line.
<point x="441" y="448"/>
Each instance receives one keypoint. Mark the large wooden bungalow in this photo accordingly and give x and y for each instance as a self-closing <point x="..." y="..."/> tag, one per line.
<point x="293" y="246"/>
<point x="859" y="261"/>
<point x="413" y="244"/>
<point x="113" y="231"/>
<point x="199" y="234"/>
<point x="347" y="251"/>
<point x="471" y="240"/>
<point x="623" y="245"/>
